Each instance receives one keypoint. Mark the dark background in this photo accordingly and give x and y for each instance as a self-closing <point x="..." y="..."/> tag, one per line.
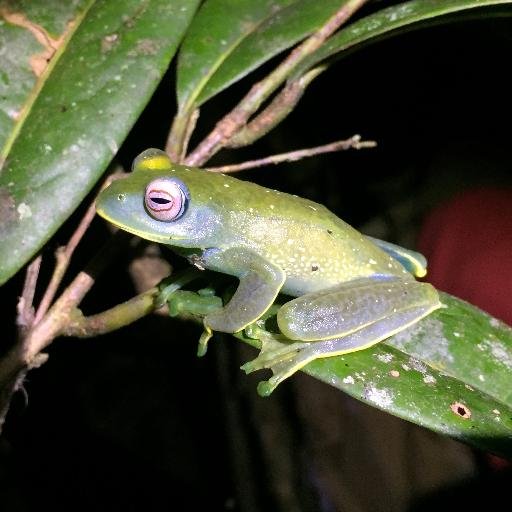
<point x="134" y="421"/>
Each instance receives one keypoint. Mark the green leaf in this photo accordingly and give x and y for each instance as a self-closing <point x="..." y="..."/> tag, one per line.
<point x="60" y="129"/>
<point x="450" y="372"/>
<point x="230" y="38"/>
<point x="387" y="22"/>
<point x="29" y="34"/>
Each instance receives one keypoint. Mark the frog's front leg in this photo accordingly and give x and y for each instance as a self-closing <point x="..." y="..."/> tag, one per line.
<point x="348" y="317"/>
<point x="260" y="282"/>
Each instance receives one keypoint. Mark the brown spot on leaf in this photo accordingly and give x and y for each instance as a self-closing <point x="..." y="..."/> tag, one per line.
<point x="7" y="210"/>
<point x="394" y="373"/>
<point x="38" y="61"/>
<point x="108" y="42"/>
<point x="314" y="268"/>
<point x="144" y="47"/>
<point x="461" y="410"/>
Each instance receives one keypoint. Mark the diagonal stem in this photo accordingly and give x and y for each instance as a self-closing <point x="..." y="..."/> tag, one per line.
<point x="119" y="316"/>
<point x="26" y="353"/>
<point x="279" y="108"/>
<point x="259" y="92"/>
<point x="25" y="309"/>
<point x="63" y="255"/>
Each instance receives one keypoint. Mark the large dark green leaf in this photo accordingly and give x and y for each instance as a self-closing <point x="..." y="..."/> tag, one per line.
<point x="387" y="22"/>
<point x="450" y="372"/>
<point x="61" y="129"/>
<point x="230" y="38"/>
<point x="30" y="32"/>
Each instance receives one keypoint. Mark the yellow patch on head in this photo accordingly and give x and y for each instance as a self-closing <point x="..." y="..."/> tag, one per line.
<point x="155" y="163"/>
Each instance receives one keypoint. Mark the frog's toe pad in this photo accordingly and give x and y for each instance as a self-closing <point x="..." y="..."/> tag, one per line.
<point x="265" y="387"/>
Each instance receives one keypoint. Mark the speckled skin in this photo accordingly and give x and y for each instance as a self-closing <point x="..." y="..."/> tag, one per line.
<point x="314" y="248"/>
<point x="350" y="293"/>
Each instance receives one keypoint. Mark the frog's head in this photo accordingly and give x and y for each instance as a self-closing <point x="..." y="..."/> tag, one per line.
<point x="162" y="202"/>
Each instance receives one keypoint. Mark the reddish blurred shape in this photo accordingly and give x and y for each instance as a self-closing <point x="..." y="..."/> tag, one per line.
<point x="468" y="244"/>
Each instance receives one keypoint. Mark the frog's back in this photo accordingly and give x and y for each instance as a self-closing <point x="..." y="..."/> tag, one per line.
<point x="313" y="246"/>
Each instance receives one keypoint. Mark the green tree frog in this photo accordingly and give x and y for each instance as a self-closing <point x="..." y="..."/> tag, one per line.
<point x="351" y="291"/>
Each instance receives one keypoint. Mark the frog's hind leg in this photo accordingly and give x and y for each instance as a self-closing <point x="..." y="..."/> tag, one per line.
<point x="386" y="301"/>
<point x="348" y="316"/>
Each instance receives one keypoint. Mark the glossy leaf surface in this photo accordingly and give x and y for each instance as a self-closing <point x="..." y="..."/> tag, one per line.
<point x="450" y="372"/>
<point x="228" y="39"/>
<point x="395" y="19"/>
<point x="63" y="120"/>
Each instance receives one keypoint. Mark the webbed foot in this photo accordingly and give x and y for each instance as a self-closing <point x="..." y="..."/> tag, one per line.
<point x="284" y="358"/>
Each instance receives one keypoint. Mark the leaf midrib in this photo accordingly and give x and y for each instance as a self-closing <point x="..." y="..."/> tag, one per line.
<point x="41" y="80"/>
<point x="188" y="105"/>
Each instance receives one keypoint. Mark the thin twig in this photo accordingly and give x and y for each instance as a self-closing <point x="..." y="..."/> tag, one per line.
<point x="119" y="316"/>
<point x="259" y="92"/>
<point x="61" y="312"/>
<point x="281" y="105"/>
<point x="63" y="254"/>
<point x="63" y="257"/>
<point x="8" y="387"/>
<point x="25" y="307"/>
<point x="26" y="354"/>
<point x="183" y="127"/>
<point x="354" y="142"/>
<point x="191" y="126"/>
<point x="176" y="138"/>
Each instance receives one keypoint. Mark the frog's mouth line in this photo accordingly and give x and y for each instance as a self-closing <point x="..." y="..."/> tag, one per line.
<point x="152" y="238"/>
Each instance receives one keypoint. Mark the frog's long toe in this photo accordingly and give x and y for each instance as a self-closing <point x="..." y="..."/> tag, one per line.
<point x="283" y="369"/>
<point x="284" y="359"/>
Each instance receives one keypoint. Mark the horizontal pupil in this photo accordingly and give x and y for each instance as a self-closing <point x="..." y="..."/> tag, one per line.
<point x="160" y="200"/>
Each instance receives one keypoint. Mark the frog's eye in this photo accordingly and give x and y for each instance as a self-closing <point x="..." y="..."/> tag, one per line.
<point x="166" y="199"/>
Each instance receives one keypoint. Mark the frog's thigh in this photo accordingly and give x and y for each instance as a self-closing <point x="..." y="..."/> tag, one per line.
<point x="260" y="282"/>
<point x="363" y="311"/>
